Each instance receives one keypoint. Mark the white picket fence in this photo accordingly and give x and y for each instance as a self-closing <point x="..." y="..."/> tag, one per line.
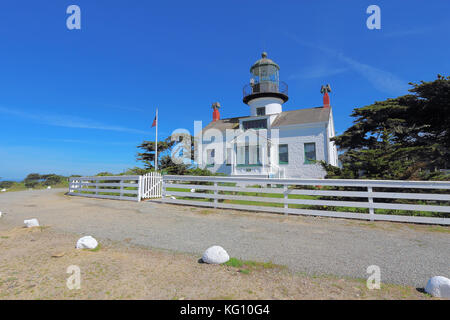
<point x="151" y="185"/>
<point x="133" y="188"/>
<point x="288" y="194"/>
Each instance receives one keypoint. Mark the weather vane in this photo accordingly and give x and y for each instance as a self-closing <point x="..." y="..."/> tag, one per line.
<point x="326" y="89"/>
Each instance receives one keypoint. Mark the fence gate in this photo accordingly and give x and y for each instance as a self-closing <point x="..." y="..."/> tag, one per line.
<point x="151" y="185"/>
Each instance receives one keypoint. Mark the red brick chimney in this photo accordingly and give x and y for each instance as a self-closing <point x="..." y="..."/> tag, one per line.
<point x="326" y="98"/>
<point x="216" y="113"/>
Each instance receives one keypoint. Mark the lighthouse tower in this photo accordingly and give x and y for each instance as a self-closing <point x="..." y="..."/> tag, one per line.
<point x="265" y="94"/>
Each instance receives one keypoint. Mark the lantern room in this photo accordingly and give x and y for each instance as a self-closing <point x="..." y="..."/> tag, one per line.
<point x="265" y="81"/>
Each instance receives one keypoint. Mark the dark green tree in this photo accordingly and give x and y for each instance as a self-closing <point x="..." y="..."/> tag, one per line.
<point x="52" y="179"/>
<point x="166" y="148"/>
<point x="32" y="180"/>
<point x="403" y="138"/>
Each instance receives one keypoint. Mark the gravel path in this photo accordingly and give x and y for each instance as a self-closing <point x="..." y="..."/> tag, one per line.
<point x="406" y="254"/>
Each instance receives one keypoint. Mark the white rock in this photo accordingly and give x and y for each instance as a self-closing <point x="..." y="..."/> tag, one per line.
<point x="173" y="198"/>
<point x="438" y="287"/>
<point x="215" y="255"/>
<point x="49" y="187"/>
<point x="192" y="190"/>
<point x="3" y="190"/>
<point x="87" y="242"/>
<point x="1" y="214"/>
<point x="31" y="223"/>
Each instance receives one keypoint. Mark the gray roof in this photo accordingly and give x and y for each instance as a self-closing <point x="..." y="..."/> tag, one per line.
<point x="224" y="124"/>
<point x="264" y="61"/>
<point x="300" y="116"/>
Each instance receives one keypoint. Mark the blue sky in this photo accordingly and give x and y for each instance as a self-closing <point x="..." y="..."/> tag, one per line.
<point x="80" y="101"/>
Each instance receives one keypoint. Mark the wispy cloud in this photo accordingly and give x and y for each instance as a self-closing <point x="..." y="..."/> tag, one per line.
<point x="409" y="32"/>
<point x="126" y="108"/>
<point x="67" y="121"/>
<point x="382" y="80"/>
<point x="109" y="143"/>
<point x="316" y="72"/>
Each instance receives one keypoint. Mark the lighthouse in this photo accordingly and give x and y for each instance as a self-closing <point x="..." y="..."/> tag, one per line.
<point x="269" y="142"/>
<point x="265" y="94"/>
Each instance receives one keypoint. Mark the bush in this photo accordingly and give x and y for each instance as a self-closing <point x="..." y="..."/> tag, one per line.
<point x="6" y="184"/>
<point x="104" y="174"/>
<point x="52" y="179"/>
<point x="136" y="171"/>
<point x="199" y="172"/>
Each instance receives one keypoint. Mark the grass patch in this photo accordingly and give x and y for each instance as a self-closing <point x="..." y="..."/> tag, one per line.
<point x="250" y="264"/>
<point x="205" y="212"/>
<point x="234" y="262"/>
<point x="97" y="248"/>
<point x="324" y="208"/>
<point x="20" y="186"/>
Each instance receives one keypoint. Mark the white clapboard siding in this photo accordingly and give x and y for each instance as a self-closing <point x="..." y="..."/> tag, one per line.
<point x="436" y="191"/>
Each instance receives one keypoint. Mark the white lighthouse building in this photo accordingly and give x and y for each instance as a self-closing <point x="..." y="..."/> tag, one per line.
<point x="270" y="142"/>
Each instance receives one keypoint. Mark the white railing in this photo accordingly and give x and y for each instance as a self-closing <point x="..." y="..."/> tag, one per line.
<point x="278" y="172"/>
<point x="107" y="187"/>
<point x="303" y="196"/>
<point x="270" y="170"/>
<point x="151" y="185"/>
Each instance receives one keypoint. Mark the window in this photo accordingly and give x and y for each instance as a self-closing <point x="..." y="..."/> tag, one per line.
<point x="210" y="159"/>
<point x="248" y="155"/>
<point x="228" y="157"/>
<point x="310" y="153"/>
<point x="261" y="111"/>
<point x="255" y="124"/>
<point x="283" y="154"/>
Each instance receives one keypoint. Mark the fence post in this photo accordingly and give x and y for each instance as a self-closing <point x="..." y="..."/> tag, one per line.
<point x="371" y="210"/>
<point x="139" y="189"/>
<point x="285" y="193"/>
<point x="163" y="189"/>
<point x="121" y="188"/>
<point x="216" y="191"/>
<point x="160" y="182"/>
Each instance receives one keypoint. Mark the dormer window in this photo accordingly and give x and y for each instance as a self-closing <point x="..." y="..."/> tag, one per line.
<point x="261" y="111"/>
<point x="254" y="124"/>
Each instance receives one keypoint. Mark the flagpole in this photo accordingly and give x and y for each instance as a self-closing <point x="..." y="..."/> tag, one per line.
<point x="156" y="144"/>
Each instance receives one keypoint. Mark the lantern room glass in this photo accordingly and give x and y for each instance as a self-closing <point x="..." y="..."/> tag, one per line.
<point x="266" y="73"/>
<point x="266" y="78"/>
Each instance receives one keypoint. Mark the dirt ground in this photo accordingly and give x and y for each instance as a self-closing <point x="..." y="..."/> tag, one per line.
<point x="33" y="264"/>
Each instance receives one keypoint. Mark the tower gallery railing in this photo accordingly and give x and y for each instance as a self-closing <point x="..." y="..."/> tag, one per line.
<point x="265" y="87"/>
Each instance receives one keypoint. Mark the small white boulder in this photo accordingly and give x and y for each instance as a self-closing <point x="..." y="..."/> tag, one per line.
<point x="49" y="187"/>
<point x="215" y="255"/>
<point x="31" y="223"/>
<point x="3" y="190"/>
<point x="1" y="214"/>
<point x="87" y="242"/>
<point x="438" y="287"/>
<point x="192" y="190"/>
